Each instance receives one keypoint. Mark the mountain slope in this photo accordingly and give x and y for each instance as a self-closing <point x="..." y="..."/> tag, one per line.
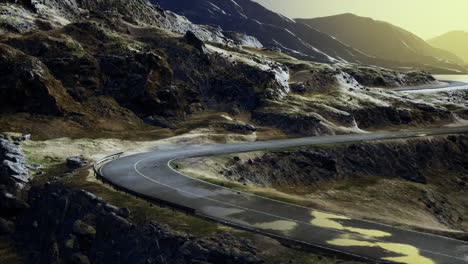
<point x="380" y="39"/>
<point x="115" y="65"/>
<point x="34" y="15"/>
<point x="455" y="42"/>
<point x="272" y="29"/>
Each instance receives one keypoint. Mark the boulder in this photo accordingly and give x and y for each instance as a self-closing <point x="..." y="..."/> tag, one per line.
<point x="35" y="167"/>
<point x="240" y="128"/>
<point x="15" y="170"/>
<point x="76" y="162"/>
<point x="12" y="164"/>
<point x="21" y="138"/>
<point x="191" y="39"/>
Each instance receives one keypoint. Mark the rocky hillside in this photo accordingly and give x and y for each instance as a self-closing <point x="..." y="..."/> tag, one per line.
<point x="383" y="40"/>
<point x="111" y="66"/>
<point x="455" y="42"/>
<point x="315" y="167"/>
<point x="93" y="231"/>
<point x="305" y="41"/>
<point x="272" y="29"/>
<point x="416" y="183"/>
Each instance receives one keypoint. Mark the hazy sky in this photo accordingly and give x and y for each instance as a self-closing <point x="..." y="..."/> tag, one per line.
<point x="426" y="18"/>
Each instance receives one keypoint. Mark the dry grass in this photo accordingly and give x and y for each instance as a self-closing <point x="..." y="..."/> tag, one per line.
<point x="52" y="154"/>
<point x="391" y="201"/>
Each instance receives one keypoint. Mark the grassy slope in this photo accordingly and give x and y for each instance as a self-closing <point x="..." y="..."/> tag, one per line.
<point x="52" y="153"/>
<point x="392" y="201"/>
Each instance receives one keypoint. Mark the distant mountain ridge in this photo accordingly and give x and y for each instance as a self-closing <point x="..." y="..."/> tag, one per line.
<point x="454" y="41"/>
<point x="270" y="28"/>
<point x="304" y="40"/>
<point x="380" y="39"/>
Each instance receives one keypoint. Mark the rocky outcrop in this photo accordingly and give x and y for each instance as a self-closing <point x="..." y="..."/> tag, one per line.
<point x="303" y="40"/>
<point x="26" y="85"/>
<point x="374" y="117"/>
<point x="411" y="160"/>
<point x="111" y="65"/>
<point x="71" y="226"/>
<point x="76" y="162"/>
<point x="292" y="123"/>
<point x="13" y="168"/>
<point x="155" y="75"/>
<point x="272" y="29"/>
<point x="378" y="77"/>
<point x="57" y="13"/>
<point x="239" y="127"/>
<point x="14" y="178"/>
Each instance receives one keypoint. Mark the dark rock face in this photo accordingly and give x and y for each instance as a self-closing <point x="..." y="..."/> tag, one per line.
<point x="44" y="15"/>
<point x="316" y="42"/>
<point x="70" y="226"/>
<point x="172" y="79"/>
<point x="419" y="114"/>
<point x="26" y="85"/>
<point x="410" y="160"/>
<point x="240" y="128"/>
<point x="293" y="123"/>
<point x="270" y="28"/>
<point x="13" y="168"/>
<point x="76" y="162"/>
<point x="193" y="40"/>
<point x="372" y="77"/>
<point x="301" y="168"/>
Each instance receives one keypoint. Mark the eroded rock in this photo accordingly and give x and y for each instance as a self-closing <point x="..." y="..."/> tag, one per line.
<point x="73" y="228"/>
<point x="77" y="162"/>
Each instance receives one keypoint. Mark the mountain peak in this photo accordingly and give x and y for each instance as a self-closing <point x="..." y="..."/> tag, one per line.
<point x="381" y="39"/>
<point x="454" y="41"/>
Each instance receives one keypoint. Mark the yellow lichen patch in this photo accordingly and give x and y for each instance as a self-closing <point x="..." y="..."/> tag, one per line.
<point x="280" y="225"/>
<point x="328" y="221"/>
<point x="409" y="254"/>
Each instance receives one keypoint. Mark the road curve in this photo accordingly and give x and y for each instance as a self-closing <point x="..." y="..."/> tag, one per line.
<point x="445" y="86"/>
<point x="150" y="175"/>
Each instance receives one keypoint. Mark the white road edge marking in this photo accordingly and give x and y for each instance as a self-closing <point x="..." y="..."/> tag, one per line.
<point x="280" y="217"/>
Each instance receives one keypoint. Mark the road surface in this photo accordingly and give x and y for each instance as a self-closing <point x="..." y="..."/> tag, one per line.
<point x="444" y="86"/>
<point x="150" y="175"/>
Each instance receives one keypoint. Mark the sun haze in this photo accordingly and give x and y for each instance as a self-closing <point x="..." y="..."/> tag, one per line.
<point x="426" y="18"/>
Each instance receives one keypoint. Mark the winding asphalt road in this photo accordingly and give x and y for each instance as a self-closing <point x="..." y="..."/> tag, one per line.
<point x="150" y="175"/>
<point x="444" y="86"/>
